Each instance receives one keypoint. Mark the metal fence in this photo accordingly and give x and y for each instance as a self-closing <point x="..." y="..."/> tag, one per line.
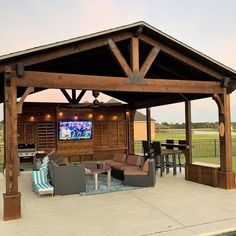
<point x="200" y="148"/>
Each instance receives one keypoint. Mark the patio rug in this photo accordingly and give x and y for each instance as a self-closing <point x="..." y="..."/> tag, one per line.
<point x="116" y="185"/>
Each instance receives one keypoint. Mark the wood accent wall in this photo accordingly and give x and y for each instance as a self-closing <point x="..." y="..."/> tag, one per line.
<point x="39" y="124"/>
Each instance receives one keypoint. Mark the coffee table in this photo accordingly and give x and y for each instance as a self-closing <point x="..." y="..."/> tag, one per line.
<point x="97" y="171"/>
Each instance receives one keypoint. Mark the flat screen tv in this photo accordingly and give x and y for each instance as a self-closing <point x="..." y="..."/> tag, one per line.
<point x="75" y="130"/>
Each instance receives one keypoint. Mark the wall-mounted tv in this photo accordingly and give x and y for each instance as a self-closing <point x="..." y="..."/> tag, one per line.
<point x="75" y="130"/>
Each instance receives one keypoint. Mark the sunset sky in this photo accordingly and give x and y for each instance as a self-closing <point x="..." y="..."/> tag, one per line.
<point x="206" y="25"/>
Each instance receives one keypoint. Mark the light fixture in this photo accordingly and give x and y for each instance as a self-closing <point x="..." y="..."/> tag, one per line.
<point x="60" y="114"/>
<point x="20" y="70"/>
<point x="101" y="116"/>
<point x="76" y="117"/>
<point x="32" y="118"/>
<point x="90" y="115"/>
<point x="114" y="117"/>
<point x="48" y="116"/>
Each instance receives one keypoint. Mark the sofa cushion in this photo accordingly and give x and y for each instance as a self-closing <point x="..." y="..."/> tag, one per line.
<point x="133" y="160"/>
<point x="121" y="157"/>
<point x="58" y="159"/>
<point x="145" y="165"/>
<point x="117" y="165"/>
<point x="134" y="172"/>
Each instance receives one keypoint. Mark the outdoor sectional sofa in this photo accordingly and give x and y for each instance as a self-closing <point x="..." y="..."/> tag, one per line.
<point x="131" y="171"/>
<point x="66" y="179"/>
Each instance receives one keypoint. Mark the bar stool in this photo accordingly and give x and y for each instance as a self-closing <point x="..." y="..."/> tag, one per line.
<point x="168" y="163"/>
<point x="159" y="159"/>
<point x="147" y="153"/>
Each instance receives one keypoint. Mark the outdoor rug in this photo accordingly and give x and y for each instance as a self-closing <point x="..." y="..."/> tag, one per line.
<point x="116" y="185"/>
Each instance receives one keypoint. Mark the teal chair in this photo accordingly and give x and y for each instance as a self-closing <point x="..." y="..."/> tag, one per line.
<point x="40" y="179"/>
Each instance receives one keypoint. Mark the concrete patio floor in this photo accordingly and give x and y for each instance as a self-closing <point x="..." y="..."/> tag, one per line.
<point x="173" y="207"/>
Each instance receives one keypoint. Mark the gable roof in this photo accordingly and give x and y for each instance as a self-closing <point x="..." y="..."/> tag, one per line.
<point x="148" y="29"/>
<point x="141" y="117"/>
<point x="77" y="56"/>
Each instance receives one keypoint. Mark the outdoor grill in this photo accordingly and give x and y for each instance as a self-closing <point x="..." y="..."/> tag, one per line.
<point x="27" y="152"/>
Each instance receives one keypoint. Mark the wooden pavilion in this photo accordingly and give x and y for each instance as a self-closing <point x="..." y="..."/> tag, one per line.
<point x="137" y="64"/>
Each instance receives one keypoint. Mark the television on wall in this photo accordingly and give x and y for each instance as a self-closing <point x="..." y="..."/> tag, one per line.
<point x="75" y="130"/>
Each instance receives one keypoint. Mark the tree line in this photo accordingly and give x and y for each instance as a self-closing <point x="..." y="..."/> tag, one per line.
<point x="195" y="125"/>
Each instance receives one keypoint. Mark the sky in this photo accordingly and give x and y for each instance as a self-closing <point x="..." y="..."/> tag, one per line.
<point x="206" y="25"/>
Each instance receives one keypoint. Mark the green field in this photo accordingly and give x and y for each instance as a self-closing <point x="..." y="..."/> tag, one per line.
<point x="1" y="136"/>
<point x="164" y="136"/>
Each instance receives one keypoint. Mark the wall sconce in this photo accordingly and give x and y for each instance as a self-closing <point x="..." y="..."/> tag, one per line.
<point x="48" y="116"/>
<point x="90" y="116"/>
<point x="75" y="117"/>
<point x="60" y="114"/>
<point x="31" y="118"/>
<point x="114" y="117"/>
<point x="101" y="116"/>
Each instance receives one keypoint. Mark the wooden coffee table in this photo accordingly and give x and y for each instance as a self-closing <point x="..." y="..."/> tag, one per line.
<point x="96" y="172"/>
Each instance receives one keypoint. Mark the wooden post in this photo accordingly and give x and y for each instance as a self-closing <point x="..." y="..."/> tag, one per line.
<point x="188" y="134"/>
<point x="130" y="117"/>
<point x="188" y="131"/>
<point x="148" y="123"/>
<point x="226" y="176"/>
<point x="134" y="56"/>
<point x="12" y="198"/>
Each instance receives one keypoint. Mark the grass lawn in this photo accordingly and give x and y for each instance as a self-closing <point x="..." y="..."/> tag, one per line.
<point x="164" y="136"/>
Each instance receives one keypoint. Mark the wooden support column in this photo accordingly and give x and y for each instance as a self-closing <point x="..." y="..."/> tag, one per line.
<point x="148" y="123"/>
<point x="188" y="131"/>
<point x="134" y="56"/>
<point x="188" y="134"/>
<point x="226" y="176"/>
<point x="12" y="198"/>
<point x="130" y="118"/>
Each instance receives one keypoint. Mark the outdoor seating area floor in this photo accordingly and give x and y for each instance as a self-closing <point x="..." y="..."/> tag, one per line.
<point x="173" y="207"/>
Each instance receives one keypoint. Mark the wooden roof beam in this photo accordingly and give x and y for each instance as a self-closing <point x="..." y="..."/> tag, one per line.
<point x="67" y="96"/>
<point x="108" y="83"/>
<point x="80" y="96"/>
<point x="149" y="60"/>
<point x="164" y="100"/>
<point x="80" y="46"/>
<point x="134" y="54"/>
<point x="119" y="58"/>
<point x="73" y="95"/>
<point x="181" y="57"/>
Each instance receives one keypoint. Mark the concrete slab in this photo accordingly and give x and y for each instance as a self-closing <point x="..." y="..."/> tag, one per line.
<point x="173" y="207"/>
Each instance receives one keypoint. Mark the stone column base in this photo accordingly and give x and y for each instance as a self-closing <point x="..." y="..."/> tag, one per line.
<point x="12" y="206"/>
<point x="226" y="180"/>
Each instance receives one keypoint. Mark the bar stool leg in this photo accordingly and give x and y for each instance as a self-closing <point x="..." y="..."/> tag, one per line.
<point x="167" y="164"/>
<point x="174" y="164"/>
<point x="179" y="156"/>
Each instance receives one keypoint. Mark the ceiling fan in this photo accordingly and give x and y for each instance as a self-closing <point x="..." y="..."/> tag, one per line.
<point x="96" y="103"/>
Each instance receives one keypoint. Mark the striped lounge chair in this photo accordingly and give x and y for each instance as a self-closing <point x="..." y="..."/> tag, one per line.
<point x="40" y="181"/>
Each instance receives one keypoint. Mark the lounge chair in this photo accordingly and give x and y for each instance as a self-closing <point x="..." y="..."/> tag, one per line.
<point x="40" y="183"/>
<point x="40" y="179"/>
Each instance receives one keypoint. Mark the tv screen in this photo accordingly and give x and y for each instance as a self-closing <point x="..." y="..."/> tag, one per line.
<point x="75" y="130"/>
